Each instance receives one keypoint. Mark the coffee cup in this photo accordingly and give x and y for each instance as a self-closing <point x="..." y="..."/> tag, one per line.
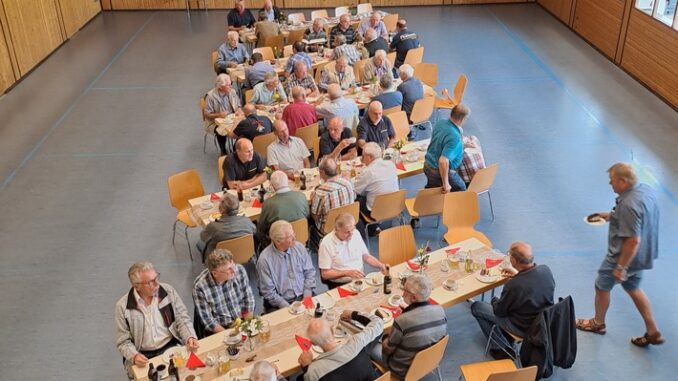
<point x="162" y="371"/>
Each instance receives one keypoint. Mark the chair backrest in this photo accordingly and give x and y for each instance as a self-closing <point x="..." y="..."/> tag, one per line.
<point x="295" y="35"/>
<point x="220" y="168"/>
<point x="521" y="374"/>
<point x="425" y="361"/>
<point x="266" y="52"/>
<point x="184" y="186"/>
<point x="248" y="95"/>
<point x="460" y="88"/>
<point x="460" y="214"/>
<point x="215" y="55"/>
<point x="300" y="228"/>
<point x="391" y="57"/>
<point x="397" y="245"/>
<point x="422" y="110"/>
<point x="307" y="134"/>
<point x="392" y="110"/>
<point x="287" y="51"/>
<point x="338" y="11"/>
<point x="296" y="18"/>
<point x="316" y="149"/>
<point x="388" y="205"/>
<point x="319" y="14"/>
<point x="390" y="22"/>
<point x="358" y="69"/>
<point x="277" y="41"/>
<point x="384" y="377"/>
<point x="429" y="202"/>
<point x="319" y="69"/>
<point x="364" y="8"/>
<point x="414" y="56"/>
<point x="483" y="179"/>
<point x="400" y="123"/>
<point x="261" y="143"/>
<point x="427" y="73"/>
<point x="203" y="104"/>
<point x="332" y="214"/>
<point x="242" y="248"/>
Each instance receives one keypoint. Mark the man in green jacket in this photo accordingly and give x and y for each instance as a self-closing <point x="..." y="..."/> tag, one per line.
<point x="286" y="205"/>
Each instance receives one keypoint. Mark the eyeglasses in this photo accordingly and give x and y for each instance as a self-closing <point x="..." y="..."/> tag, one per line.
<point x="151" y="282"/>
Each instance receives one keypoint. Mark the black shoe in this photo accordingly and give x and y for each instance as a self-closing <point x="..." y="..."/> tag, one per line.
<point x="499" y="354"/>
<point x="414" y="222"/>
<point x="374" y="232"/>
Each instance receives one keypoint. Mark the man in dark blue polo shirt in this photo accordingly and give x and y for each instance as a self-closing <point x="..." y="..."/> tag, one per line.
<point x="402" y="42"/>
<point x="240" y="18"/>
<point x="374" y="128"/>
<point x="253" y="125"/>
<point x="243" y="169"/>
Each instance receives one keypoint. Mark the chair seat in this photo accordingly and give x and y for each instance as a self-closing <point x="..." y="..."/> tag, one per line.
<point x="366" y="218"/>
<point x="443" y="103"/>
<point x="185" y="217"/>
<point x="409" y="205"/>
<point x="457" y="235"/>
<point x="480" y="371"/>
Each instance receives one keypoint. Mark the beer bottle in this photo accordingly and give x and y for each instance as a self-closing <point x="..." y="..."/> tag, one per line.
<point x="387" y="281"/>
<point x="318" y="311"/>
<point x="172" y="370"/>
<point x="262" y="193"/>
<point x="302" y="177"/>
<point x="240" y="196"/>
<point x="151" y="372"/>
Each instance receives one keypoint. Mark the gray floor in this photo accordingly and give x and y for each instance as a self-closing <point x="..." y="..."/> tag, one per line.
<point x="87" y="142"/>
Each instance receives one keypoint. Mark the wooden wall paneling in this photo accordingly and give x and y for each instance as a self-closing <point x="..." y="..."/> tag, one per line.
<point x="561" y="9"/>
<point x="489" y="1"/>
<point x="651" y="55"/>
<point x="34" y="30"/>
<point x="7" y="75"/>
<point x="252" y="5"/>
<point x="76" y="13"/>
<point x="148" y="4"/>
<point x="398" y="3"/>
<point x="106" y="5"/>
<point x="599" y="22"/>
<point x="622" y="31"/>
<point x="7" y="37"/>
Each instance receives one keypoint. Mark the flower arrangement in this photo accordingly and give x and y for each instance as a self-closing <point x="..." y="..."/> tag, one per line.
<point x="248" y="324"/>
<point x="423" y="256"/>
<point x="399" y="144"/>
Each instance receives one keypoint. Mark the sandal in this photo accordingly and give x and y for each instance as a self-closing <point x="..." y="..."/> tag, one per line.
<point x="590" y="325"/>
<point x="645" y="340"/>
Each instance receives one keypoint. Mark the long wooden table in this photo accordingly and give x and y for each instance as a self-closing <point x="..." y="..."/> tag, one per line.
<point x="283" y="349"/>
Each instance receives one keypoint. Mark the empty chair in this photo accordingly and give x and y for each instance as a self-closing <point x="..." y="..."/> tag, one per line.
<point x="364" y="8"/>
<point x="300" y="228"/>
<point x="358" y="69"/>
<point x="215" y="55"/>
<point x="387" y="206"/>
<point x="248" y="95"/>
<point x="390" y="22"/>
<point x="428" y="202"/>
<point x="308" y="134"/>
<point x="391" y="57"/>
<point x="422" y="111"/>
<point x="384" y="377"/>
<point x="427" y="73"/>
<point x="266" y="52"/>
<point x="450" y="102"/>
<point x="295" y="35"/>
<point x="392" y="110"/>
<point x="460" y="214"/>
<point x="182" y="187"/>
<point x="319" y="14"/>
<point x="316" y="150"/>
<point x="338" y="11"/>
<point x="261" y="143"/>
<point x="296" y="18"/>
<point x="397" y="245"/>
<point x="499" y="370"/>
<point x="414" y="56"/>
<point x="352" y="209"/>
<point x="287" y="51"/>
<point x="242" y="248"/>
<point x="400" y="124"/>
<point x="275" y="42"/>
<point x="482" y="182"/>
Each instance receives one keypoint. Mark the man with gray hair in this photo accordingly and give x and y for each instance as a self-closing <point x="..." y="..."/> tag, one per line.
<point x="421" y="325"/>
<point x="445" y="152"/>
<point x="337" y="141"/>
<point x="338" y="106"/>
<point x="388" y="96"/>
<point x="287" y="153"/>
<point x="228" y="226"/>
<point x="526" y="294"/>
<point x="378" y="177"/>
<point x="373" y="22"/>
<point x="632" y="246"/>
<point x="268" y="92"/>
<point x="150" y="318"/>
<point x="335" y="191"/>
<point x="230" y="53"/>
<point x="265" y="371"/>
<point x="219" y="102"/>
<point x="240" y="18"/>
<point x="374" y="42"/>
<point x="285" y="204"/>
<point x="343" y="49"/>
<point x="411" y="88"/>
<point x="373" y="127"/>
<point x="255" y="74"/>
<point x="285" y="270"/>
<point x="349" y="361"/>
<point x="300" y="77"/>
<point x="221" y="292"/>
<point x="377" y="67"/>
<point x="343" y="28"/>
<point x="337" y="72"/>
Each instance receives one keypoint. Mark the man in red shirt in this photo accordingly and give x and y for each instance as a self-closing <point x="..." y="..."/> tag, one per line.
<point x="299" y="113"/>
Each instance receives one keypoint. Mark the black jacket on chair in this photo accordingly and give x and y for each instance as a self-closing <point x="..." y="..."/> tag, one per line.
<point x="552" y="339"/>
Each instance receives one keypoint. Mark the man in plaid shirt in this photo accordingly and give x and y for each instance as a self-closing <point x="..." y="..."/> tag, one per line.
<point x="473" y="160"/>
<point x="336" y="191"/>
<point x="299" y="55"/>
<point x="301" y="78"/>
<point x="221" y="292"/>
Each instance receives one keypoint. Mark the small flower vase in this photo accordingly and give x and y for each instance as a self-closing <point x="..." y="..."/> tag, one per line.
<point x="249" y="344"/>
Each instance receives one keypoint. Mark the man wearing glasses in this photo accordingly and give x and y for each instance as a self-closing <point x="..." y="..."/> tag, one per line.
<point x="150" y="318"/>
<point x="221" y="292"/>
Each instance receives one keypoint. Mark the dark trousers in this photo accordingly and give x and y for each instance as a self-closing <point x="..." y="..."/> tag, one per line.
<point x="434" y="180"/>
<point x="268" y="307"/>
<point x="364" y="211"/>
<point x="157" y="352"/>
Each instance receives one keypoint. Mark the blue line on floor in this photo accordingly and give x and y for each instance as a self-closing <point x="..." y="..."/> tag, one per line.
<point x="91" y="154"/>
<point x="143" y="88"/>
<point x="509" y="79"/>
<point x="56" y="124"/>
<point x="526" y="49"/>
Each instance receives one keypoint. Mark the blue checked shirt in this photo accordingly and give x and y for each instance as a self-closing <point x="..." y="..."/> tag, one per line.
<point x="284" y="276"/>
<point x="299" y="56"/>
<point x="222" y="304"/>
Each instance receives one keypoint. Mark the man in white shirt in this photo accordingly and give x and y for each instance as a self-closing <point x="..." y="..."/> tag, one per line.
<point x="287" y="153"/>
<point x="378" y="177"/>
<point x="341" y="254"/>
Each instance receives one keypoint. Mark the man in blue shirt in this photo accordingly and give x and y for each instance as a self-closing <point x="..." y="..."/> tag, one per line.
<point x="632" y="246"/>
<point x="388" y="96"/>
<point x="230" y="53"/>
<point x="411" y="88"/>
<point x="445" y="152"/>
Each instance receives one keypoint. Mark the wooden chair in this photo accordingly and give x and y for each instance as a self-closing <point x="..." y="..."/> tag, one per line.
<point x="182" y="187"/>
<point x="427" y="73"/>
<point x="414" y="56"/>
<point x="275" y="42"/>
<point x="384" y="377"/>
<point x="400" y="124"/>
<point x="427" y="202"/>
<point x="338" y="11"/>
<point x="460" y="214"/>
<point x="220" y="169"/>
<point x="499" y="370"/>
<point x="397" y="245"/>
<point x="391" y="57"/>
<point x="426" y="361"/>
<point x="266" y="52"/>
<point x="358" y="69"/>
<point x="215" y="55"/>
<point x="318" y="71"/>
<point x="482" y="182"/>
<point x="307" y="134"/>
<point x="390" y="22"/>
<point x="242" y="248"/>
<point x="386" y="207"/>
<point x="261" y="143"/>
<point x="422" y="111"/>
<point x="248" y="95"/>
<point x="300" y="228"/>
<point x="319" y="14"/>
<point x="352" y="209"/>
<point x="392" y="110"/>
<point x="295" y="35"/>
<point x="316" y="149"/>
<point x="364" y="8"/>
<point x="208" y="131"/>
<point x="287" y="51"/>
<point x="459" y="90"/>
<point x="296" y="18"/>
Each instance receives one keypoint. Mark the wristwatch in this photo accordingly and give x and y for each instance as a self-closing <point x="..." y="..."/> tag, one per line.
<point x="620" y="267"/>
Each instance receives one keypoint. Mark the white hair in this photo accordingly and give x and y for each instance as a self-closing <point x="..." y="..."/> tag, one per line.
<point x="420" y="286"/>
<point x="407" y="70"/>
<point x="262" y="371"/>
<point x="320" y="334"/>
<point x="380" y="53"/>
<point x="372" y="149"/>
<point x="279" y="180"/>
<point x="233" y="34"/>
<point x="136" y="269"/>
<point x="279" y="230"/>
<point x="222" y="79"/>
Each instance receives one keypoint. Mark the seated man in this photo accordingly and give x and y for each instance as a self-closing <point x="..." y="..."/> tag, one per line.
<point x="265" y="371"/>
<point x="445" y="152"/>
<point x="219" y="102"/>
<point x="335" y="191"/>
<point x="374" y="128"/>
<point x="388" y="97"/>
<point x="349" y="361"/>
<point x="301" y="78"/>
<point x="230" y="225"/>
<point x="373" y="22"/>
<point x="411" y="88"/>
<point x="338" y="106"/>
<point x="253" y="125"/>
<point x="402" y="42"/>
<point x="525" y="295"/>
<point x="337" y="72"/>
<point x="299" y="113"/>
<point x="240" y="18"/>
<point x="374" y="42"/>
<point x="421" y="325"/>
<point x="378" y="66"/>
<point x="150" y="318"/>
<point x="337" y="141"/>
<point x="255" y="74"/>
<point x="285" y="204"/>
<point x="285" y="270"/>
<point x="341" y="48"/>
<point x="343" y="28"/>
<point x="269" y="92"/>
<point x="378" y="177"/>
<point x="287" y="153"/>
<point x="299" y="56"/>
<point x="245" y="168"/>
<point x="272" y="12"/>
<point x="341" y="254"/>
<point x="230" y="53"/>
<point x="265" y="28"/>
<point x="221" y="292"/>
<point x="316" y="32"/>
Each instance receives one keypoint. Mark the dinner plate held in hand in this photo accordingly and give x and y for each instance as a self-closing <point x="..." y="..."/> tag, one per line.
<point x="388" y="316"/>
<point x="595" y="223"/>
<point x="375" y="278"/>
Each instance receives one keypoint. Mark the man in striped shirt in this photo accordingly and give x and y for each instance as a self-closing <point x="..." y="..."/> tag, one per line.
<point x="336" y="191"/>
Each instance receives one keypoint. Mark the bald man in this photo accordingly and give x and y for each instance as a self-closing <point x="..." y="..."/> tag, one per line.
<point x="245" y="169"/>
<point x="526" y="294"/>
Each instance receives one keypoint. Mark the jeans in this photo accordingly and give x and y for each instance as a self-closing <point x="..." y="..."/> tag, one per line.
<point x="434" y="180"/>
<point x="484" y="314"/>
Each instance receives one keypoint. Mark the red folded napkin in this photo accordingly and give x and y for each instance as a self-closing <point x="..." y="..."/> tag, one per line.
<point x="432" y="301"/>
<point x="400" y="166"/>
<point x="194" y="362"/>
<point x="308" y="302"/>
<point x="413" y="266"/>
<point x="395" y="311"/>
<point x="344" y="292"/>
<point x="452" y="251"/>
<point x="304" y="343"/>
<point x="256" y="203"/>
<point x="492" y="262"/>
<point x="214" y="197"/>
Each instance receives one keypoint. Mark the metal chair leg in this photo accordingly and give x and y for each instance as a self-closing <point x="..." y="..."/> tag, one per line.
<point x="440" y="376"/>
<point x="188" y="243"/>
<point x="489" y="197"/>
<point x="204" y="143"/>
<point x="174" y="231"/>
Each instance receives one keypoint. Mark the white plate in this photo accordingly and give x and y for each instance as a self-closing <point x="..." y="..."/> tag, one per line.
<point x="293" y="312"/>
<point x="356" y="288"/>
<point x="170" y="352"/>
<point x="487" y="278"/>
<point x="384" y="311"/>
<point x="599" y="223"/>
<point x="375" y="278"/>
<point x="446" y="287"/>
<point x="317" y="349"/>
<point x="326" y="300"/>
<point x="206" y="205"/>
<point x="394" y="304"/>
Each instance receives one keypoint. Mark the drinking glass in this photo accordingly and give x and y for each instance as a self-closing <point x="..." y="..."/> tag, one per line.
<point x="331" y="316"/>
<point x="210" y="359"/>
<point x="224" y="363"/>
<point x="444" y="266"/>
<point x="265" y="331"/>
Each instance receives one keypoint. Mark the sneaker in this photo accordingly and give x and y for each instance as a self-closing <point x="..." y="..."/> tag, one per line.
<point x="415" y="223"/>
